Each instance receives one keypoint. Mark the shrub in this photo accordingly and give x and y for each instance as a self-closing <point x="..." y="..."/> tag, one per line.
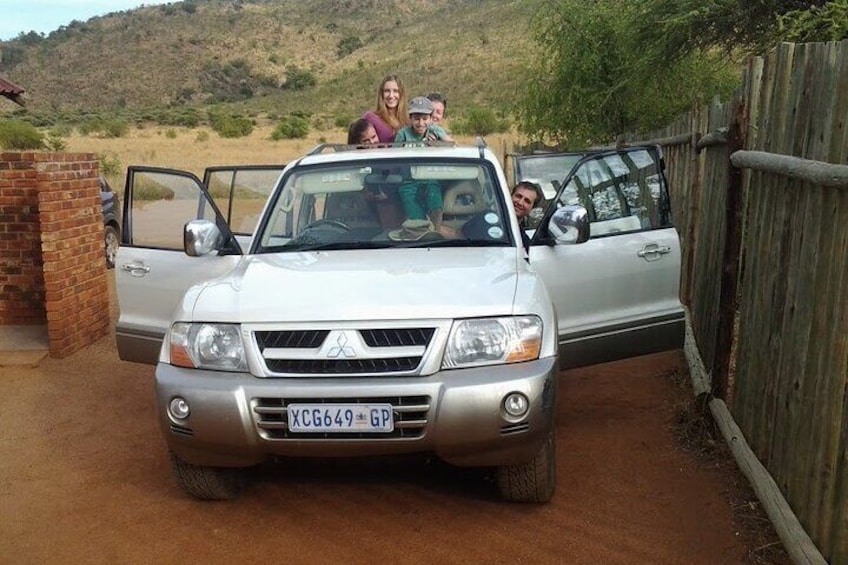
<point x="291" y="127"/>
<point x="342" y="121"/>
<point x="114" y="128"/>
<point x="20" y="136"/>
<point x="480" y="121"/>
<point x="110" y="165"/>
<point x="202" y="136"/>
<point x="348" y="45"/>
<point x="228" y="82"/>
<point x="54" y="141"/>
<point x="230" y="126"/>
<point x="171" y="133"/>
<point x="298" y="79"/>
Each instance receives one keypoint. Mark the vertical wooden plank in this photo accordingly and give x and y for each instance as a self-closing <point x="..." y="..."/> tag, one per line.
<point x="730" y="253"/>
<point x="829" y="481"/>
<point x="828" y="395"/>
<point x="838" y="368"/>
<point x="797" y="312"/>
<point x="692" y="161"/>
<point x="750" y="378"/>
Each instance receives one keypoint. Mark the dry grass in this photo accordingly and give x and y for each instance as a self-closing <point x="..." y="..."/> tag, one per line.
<point x="151" y="147"/>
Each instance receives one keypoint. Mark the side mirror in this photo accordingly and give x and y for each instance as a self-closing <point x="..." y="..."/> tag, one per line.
<point x="570" y="225"/>
<point x="201" y="237"/>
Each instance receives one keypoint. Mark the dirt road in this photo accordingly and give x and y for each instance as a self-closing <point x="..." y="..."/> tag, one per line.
<point x="84" y="478"/>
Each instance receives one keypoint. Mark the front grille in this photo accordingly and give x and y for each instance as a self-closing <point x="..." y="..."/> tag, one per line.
<point x="399" y="337"/>
<point x="340" y="366"/>
<point x="409" y="413"/>
<point x="370" y="351"/>
<point x="307" y="339"/>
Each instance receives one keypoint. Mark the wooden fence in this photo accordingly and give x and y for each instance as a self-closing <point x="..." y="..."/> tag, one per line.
<point x="760" y="191"/>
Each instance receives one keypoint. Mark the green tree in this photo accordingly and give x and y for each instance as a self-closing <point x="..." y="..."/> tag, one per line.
<point x="676" y="28"/>
<point x="819" y="23"/>
<point x="595" y="79"/>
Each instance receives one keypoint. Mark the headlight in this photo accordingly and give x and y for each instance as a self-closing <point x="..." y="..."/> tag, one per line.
<point x="490" y="341"/>
<point x="207" y="346"/>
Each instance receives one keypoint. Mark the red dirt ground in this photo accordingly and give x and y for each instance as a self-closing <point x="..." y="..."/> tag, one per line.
<point x="84" y="478"/>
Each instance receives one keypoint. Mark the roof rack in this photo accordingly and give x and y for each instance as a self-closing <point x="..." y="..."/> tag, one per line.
<point x="337" y="147"/>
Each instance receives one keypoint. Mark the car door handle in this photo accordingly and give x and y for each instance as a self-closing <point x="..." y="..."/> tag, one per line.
<point x="135" y="269"/>
<point x="653" y="251"/>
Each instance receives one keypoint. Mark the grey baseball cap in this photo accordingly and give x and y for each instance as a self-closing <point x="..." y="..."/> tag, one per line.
<point x="420" y="105"/>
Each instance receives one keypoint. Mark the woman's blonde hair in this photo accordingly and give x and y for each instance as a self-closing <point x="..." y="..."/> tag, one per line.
<point x="396" y="118"/>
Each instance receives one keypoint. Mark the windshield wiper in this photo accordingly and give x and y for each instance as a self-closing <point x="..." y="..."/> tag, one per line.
<point x="335" y="246"/>
<point x="456" y="243"/>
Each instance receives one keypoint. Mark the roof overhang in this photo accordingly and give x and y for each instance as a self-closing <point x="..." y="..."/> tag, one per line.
<point x="12" y="91"/>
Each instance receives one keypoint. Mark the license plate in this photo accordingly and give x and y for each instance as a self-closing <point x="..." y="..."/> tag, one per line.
<point x="340" y="418"/>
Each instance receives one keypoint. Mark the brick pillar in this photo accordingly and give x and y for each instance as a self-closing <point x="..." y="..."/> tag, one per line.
<point x="21" y="278"/>
<point x="66" y="284"/>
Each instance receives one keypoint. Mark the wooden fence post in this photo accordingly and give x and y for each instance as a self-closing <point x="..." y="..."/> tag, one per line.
<point x="736" y="138"/>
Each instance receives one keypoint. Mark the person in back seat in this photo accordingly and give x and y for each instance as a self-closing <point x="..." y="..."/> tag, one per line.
<point x="525" y="196"/>
<point x="361" y="132"/>
<point x="422" y="200"/>
<point x="421" y="126"/>
<point x="389" y="116"/>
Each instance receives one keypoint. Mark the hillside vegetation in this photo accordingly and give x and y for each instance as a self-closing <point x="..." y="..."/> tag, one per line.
<point x="277" y="56"/>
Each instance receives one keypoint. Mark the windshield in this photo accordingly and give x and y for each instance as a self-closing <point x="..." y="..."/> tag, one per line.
<point x="386" y="203"/>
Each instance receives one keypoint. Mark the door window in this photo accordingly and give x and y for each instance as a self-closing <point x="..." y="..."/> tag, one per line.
<point x="622" y="192"/>
<point x="162" y="202"/>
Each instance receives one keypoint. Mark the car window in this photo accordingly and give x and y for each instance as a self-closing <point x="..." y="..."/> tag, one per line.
<point x="162" y="202"/>
<point x="622" y="192"/>
<point x="241" y="193"/>
<point x="386" y="203"/>
<point x="548" y="170"/>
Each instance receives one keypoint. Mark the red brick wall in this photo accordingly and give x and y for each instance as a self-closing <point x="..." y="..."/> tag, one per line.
<point x="70" y="290"/>
<point x="21" y="280"/>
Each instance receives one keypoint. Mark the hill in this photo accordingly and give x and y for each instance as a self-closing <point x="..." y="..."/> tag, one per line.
<point x="260" y="55"/>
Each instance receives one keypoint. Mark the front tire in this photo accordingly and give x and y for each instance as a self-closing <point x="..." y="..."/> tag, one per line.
<point x="208" y="483"/>
<point x="534" y="481"/>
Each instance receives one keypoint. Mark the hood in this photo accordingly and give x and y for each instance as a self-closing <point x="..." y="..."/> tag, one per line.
<point x="389" y="284"/>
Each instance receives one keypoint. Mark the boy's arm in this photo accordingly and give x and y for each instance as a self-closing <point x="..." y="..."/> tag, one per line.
<point x="438" y="133"/>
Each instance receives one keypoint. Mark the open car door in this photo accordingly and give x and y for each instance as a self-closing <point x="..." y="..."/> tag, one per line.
<point x="617" y="294"/>
<point x="152" y="270"/>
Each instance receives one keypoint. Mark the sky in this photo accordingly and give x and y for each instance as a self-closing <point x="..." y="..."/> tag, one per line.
<point x="44" y="16"/>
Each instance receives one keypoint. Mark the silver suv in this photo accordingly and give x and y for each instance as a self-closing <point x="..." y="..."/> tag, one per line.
<point x="380" y="301"/>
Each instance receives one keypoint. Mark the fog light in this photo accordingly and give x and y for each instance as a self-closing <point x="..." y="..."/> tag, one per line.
<point x="516" y="404"/>
<point x="179" y="408"/>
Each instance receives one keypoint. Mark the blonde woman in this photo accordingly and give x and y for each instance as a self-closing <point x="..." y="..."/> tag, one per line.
<point x="390" y="115"/>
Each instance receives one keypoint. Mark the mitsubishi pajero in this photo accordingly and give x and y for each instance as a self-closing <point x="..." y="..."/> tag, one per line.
<point x="361" y="302"/>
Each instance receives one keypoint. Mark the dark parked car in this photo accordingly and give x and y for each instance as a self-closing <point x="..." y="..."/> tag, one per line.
<point x="111" y="224"/>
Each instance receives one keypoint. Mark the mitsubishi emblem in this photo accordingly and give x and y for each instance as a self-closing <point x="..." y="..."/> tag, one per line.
<point x="342" y="348"/>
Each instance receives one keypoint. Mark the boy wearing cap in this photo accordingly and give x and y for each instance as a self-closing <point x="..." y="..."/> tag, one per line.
<point x="422" y="127"/>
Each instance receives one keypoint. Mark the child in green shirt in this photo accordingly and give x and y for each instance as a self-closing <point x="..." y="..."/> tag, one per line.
<point x="422" y="127"/>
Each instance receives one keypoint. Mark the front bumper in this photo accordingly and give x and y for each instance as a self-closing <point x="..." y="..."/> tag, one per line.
<point x="461" y="417"/>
